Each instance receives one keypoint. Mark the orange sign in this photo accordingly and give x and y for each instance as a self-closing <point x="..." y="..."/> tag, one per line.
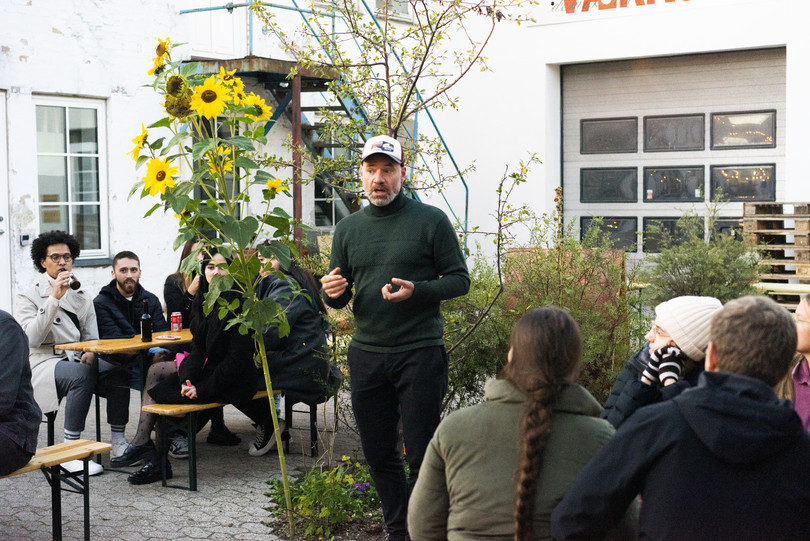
<point x="584" y="6"/>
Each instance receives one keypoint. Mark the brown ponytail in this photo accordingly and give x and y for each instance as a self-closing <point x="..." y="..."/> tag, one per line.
<point x="546" y="349"/>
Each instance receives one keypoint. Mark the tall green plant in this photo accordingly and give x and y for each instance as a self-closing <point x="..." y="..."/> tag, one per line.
<point x="720" y="264"/>
<point x="587" y="278"/>
<point x="211" y="130"/>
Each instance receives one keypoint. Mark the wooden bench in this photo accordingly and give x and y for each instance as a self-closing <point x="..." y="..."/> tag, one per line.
<point x="186" y="415"/>
<point x="49" y="460"/>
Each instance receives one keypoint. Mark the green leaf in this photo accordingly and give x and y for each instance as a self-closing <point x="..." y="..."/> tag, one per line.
<point x="240" y="231"/>
<point x="201" y="147"/>
<point x="165" y="122"/>
<point x="142" y="160"/>
<point x="157" y="144"/>
<point x="280" y="224"/>
<point x="263" y="176"/>
<point x="153" y="209"/>
<point x="245" y="163"/>
<point x="135" y="187"/>
<point x="176" y="139"/>
<point x="282" y="254"/>
<point x="219" y="284"/>
<point x="189" y="69"/>
<point x="239" y="141"/>
<point x="181" y="239"/>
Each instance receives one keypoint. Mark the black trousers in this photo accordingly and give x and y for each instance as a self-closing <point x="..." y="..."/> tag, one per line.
<point x="14" y="456"/>
<point x="385" y="388"/>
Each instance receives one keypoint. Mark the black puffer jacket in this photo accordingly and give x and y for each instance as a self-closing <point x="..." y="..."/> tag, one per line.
<point x="629" y="393"/>
<point x="119" y="318"/>
<point x="299" y="362"/>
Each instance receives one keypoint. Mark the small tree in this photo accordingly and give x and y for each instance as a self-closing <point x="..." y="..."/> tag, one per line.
<point x="721" y="265"/>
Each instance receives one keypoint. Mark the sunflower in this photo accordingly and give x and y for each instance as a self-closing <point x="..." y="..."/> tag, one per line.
<point x="163" y="48"/>
<point x="259" y="110"/>
<point x="176" y="86"/>
<point x="274" y="185"/>
<point x="177" y="107"/>
<point x="220" y="159"/>
<point x="139" y="141"/>
<point x="226" y="77"/>
<point x="159" y="176"/>
<point x="157" y="66"/>
<point x="210" y="98"/>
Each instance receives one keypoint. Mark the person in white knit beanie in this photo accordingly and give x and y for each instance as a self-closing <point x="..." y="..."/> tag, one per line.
<point x="671" y="360"/>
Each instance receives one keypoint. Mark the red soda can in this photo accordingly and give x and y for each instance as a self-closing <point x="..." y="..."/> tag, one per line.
<point x="177" y="321"/>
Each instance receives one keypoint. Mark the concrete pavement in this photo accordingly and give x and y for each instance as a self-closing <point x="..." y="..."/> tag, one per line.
<point x="228" y="504"/>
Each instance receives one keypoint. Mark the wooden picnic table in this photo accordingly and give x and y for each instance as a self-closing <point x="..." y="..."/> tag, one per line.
<point x="127" y="345"/>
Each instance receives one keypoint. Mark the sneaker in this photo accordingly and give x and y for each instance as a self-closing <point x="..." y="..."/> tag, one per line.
<point x="149" y="473"/>
<point x="93" y="467"/>
<point x="179" y="447"/>
<point x="118" y="448"/>
<point x="133" y="455"/>
<point x="223" y="437"/>
<point x="265" y="439"/>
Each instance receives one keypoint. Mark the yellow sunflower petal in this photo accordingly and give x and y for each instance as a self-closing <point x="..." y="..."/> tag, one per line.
<point x="159" y="176"/>
<point x="264" y="111"/>
<point x="210" y="98"/>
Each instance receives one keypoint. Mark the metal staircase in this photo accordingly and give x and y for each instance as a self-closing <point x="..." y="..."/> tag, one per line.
<point x="314" y="100"/>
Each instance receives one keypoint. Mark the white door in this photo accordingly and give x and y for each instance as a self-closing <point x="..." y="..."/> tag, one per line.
<point x="5" y="214"/>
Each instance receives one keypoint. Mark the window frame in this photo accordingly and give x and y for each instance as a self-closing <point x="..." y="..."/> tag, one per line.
<point x="100" y="107"/>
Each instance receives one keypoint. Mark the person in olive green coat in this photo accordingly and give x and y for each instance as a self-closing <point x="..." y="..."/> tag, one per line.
<point x="497" y="470"/>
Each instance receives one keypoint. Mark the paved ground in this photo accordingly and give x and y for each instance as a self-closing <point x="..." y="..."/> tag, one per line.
<point x="228" y="504"/>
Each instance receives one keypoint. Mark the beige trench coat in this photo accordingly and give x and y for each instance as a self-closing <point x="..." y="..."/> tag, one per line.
<point x="45" y="322"/>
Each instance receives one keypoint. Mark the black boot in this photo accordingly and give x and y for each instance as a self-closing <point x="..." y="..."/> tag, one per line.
<point x="149" y="473"/>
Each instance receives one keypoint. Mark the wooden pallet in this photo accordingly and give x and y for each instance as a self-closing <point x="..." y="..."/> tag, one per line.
<point x="781" y="235"/>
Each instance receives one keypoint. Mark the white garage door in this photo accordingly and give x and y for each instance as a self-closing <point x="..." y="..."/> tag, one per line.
<point x="649" y="139"/>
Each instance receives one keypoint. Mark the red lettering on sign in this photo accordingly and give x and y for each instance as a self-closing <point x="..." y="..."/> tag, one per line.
<point x="604" y="4"/>
<point x="586" y="4"/>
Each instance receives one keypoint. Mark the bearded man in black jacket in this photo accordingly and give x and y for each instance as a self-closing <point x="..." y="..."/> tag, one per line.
<point x="119" y="307"/>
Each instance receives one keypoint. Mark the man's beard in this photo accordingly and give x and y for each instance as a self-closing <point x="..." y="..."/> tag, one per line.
<point x="381" y="201"/>
<point x="127" y="286"/>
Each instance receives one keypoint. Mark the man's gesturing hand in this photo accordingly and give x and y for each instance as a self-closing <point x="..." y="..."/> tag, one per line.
<point x="405" y="290"/>
<point x="334" y="284"/>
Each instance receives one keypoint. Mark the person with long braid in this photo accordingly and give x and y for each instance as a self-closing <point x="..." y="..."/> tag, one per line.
<point x="496" y="470"/>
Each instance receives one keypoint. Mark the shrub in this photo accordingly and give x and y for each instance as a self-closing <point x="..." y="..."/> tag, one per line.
<point x="722" y="265"/>
<point x="324" y="499"/>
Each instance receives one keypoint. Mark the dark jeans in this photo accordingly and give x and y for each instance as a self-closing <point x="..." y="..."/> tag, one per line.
<point x="14" y="456"/>
<point x="387" y="387"/>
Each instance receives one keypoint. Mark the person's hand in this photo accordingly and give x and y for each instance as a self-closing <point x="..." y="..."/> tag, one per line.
<point x="188" y="390"/>
<point x="403" y="293"/>
<point x="194" y="286"/>
<point x="671" y="365"/>
<point x="88" y="358"/>
<point x="334" y="284"/>
<point x="650" y="373"/>
<point x="61" y="284"/>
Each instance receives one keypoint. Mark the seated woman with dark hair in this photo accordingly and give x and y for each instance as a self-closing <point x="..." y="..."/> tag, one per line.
<point x="179" y="292"/>
<point x="299" y="362"/>
<point x="220" y="368"/>
<point x="497" y="470"/>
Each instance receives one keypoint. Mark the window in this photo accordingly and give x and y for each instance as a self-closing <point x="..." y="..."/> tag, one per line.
<point x="751" y="129"/>
<point x="608" y="185"/>
<point x="663" y="184"/>
<point x="71" y="170"/>
<point x="744" y="182"/>
<point x="663" y="231"/>
<point x="673" y="132"/>
<point x="608" y="135"/>
<point x="620" y="229"/>
<point x="398" y="9"/>
<point x="330" y="207"/>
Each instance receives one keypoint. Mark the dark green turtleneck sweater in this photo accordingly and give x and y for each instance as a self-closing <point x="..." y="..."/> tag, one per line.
<point x="404" y="239"/>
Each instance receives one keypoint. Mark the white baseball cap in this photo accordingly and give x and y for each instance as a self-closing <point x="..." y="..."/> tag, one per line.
<point x="383" y="144"/>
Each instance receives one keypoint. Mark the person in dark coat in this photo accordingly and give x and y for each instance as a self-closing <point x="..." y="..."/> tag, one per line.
<point x="179" y="292"/>
<point x="119" y="307"/>
<point x="676" y="341"/>
<point x="726" y="460"/>
<point x="220" y="368"/>
<point x="19" y="413"/>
